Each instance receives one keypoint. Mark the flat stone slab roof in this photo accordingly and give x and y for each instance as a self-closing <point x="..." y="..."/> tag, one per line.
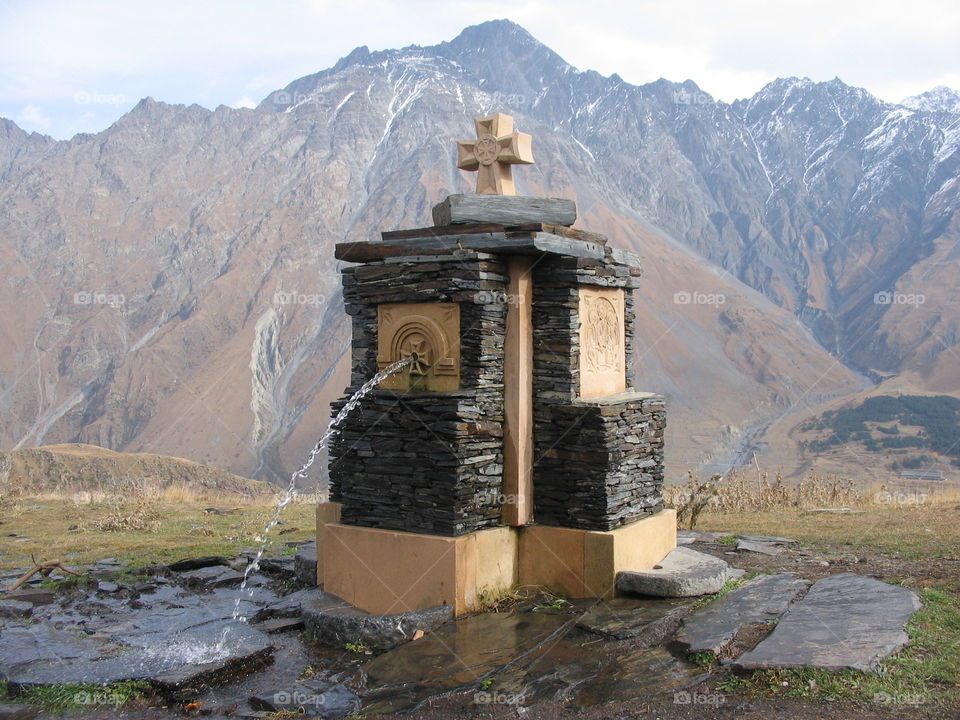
<point x="844" y="622"/>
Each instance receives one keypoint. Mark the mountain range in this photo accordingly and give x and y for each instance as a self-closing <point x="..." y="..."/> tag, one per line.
<point x="171" y="288"/>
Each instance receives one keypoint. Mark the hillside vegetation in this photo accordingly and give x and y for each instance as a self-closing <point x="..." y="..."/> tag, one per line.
<point x="904" y="425"/>
<point x="66" y="469"/>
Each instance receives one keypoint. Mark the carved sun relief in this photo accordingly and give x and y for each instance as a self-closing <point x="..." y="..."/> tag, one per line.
<point x="430" y="332"/>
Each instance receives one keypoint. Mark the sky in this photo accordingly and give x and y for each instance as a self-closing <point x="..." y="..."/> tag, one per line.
<point x="69" y="67"/>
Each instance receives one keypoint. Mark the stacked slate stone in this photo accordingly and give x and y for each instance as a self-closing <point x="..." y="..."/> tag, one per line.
<point x="598" y="466"/>
<point x="419" y="461"/>
<point x="598" y="462"/>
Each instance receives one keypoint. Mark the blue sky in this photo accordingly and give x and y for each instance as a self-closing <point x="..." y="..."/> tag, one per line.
<point x="68" y="67"/>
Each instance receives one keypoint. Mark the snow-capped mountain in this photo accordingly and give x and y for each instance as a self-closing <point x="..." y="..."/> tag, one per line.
<point x="171" y="284"/>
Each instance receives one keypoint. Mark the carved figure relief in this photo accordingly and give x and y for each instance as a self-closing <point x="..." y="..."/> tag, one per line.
<point x="430" y="333"/>
<point x="602" y="342"/>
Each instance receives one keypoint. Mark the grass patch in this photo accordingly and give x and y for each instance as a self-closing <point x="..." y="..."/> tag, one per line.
<point x="731" y="584"/>
<point x="924" y="674"/>
<point x="60" y="698"/>
<point x="703" y="659"/>
<point x="925" y="532"/>
<point x="65" y="529"/>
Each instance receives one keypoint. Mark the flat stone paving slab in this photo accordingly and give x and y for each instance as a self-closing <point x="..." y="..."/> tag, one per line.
<point x="650" y="620"/>
<point x="768" y="539"/>
<point x="844" y="621"/>
<point x="41" y="656"/>
<point x="759" y="600"/>
<point x="765" y="548"/>
<point x="682" y="573"/>
<point x="333" y="622"/>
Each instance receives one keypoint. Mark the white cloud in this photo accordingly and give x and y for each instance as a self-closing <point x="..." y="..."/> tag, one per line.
<point x="245" y="102"/>
<point x="215" y="52"/>
<point x="31" y="117"/>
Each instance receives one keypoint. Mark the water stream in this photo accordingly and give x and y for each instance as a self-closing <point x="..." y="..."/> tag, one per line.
<point x="291" y="492"/>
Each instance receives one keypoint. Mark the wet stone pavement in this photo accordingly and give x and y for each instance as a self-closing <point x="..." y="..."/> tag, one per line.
<point x="174" y="627"/>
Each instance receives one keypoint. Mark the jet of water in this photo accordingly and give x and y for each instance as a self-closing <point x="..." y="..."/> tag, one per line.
<point x="291" y="491"/>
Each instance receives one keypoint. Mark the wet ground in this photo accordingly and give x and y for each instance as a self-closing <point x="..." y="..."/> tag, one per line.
<point x="537" y="658"/>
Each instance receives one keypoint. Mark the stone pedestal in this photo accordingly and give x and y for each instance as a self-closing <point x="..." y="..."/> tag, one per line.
<point x="513" y="448"/>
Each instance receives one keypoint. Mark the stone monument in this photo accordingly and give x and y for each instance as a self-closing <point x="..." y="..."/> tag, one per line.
<point x="512" y="449"/>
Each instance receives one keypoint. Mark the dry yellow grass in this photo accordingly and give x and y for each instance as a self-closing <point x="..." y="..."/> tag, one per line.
<point x="150" y="528"/>
<point x="739" y="492"/>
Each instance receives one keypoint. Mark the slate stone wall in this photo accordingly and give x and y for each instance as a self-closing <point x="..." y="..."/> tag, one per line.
<point x="597" y="465"/>
<point x="425" y="462"/>
<point x="433" y="462"/>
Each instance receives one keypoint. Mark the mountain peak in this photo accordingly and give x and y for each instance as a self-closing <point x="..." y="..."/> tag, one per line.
<point x="495" y="32"/>
<point x="940" y="99"/>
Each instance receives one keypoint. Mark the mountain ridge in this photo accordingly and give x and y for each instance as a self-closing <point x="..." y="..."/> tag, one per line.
<point x="199" y="218"/>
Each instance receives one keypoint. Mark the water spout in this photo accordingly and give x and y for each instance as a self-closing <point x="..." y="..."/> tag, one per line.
<point x="291" y="491"/>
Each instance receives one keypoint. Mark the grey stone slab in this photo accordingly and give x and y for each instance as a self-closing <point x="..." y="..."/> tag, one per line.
<point x="37" y="597"/>
<point x="768" y="539"/>
<point x="327" y="700"/>
<point x="173" y="659"/>
<point x="764" y="548"/>
<point x="197" y="563"/>
<point x="18" y="712"/>
<point x="305" y="564"/>
<point x="288" y="606"/>
<point x="333" y="622"/>
<point x="15" y="609"/>
<point x="508" y="210"/>
<point x="532" y="243"/>
<point x="682" y="573"/>
<point x="649" y="621"/>
<point x="760" y="600"/>
<point x="844" y="621"/>
<point x="279" y="625"/>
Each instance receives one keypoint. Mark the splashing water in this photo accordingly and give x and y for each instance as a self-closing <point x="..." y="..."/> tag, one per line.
<point x="291" y="490"/>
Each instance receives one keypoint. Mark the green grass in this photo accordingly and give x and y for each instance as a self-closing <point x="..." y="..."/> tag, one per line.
<point x="731" y="584"/>
<point x="60" y="698"/>
<point x="926" y="673"/>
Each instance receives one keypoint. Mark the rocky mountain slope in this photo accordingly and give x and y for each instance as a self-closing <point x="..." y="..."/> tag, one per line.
<point x="87" y="468"/>
<point x="171" y="286"/>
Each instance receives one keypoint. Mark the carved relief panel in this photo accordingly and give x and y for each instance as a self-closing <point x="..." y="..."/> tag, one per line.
<point x="428" y="331"/>
<point x="602" y="341"/>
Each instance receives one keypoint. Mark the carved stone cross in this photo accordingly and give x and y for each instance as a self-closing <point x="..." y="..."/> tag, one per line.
<point x="496" y="148"/>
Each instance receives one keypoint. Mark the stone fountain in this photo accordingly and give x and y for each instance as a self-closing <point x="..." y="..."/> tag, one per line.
<point x="513" y="449"/>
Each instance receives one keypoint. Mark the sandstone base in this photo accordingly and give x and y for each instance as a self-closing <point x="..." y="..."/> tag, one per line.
<point x="585" y="563"/>
<point x="388" y="571"/>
